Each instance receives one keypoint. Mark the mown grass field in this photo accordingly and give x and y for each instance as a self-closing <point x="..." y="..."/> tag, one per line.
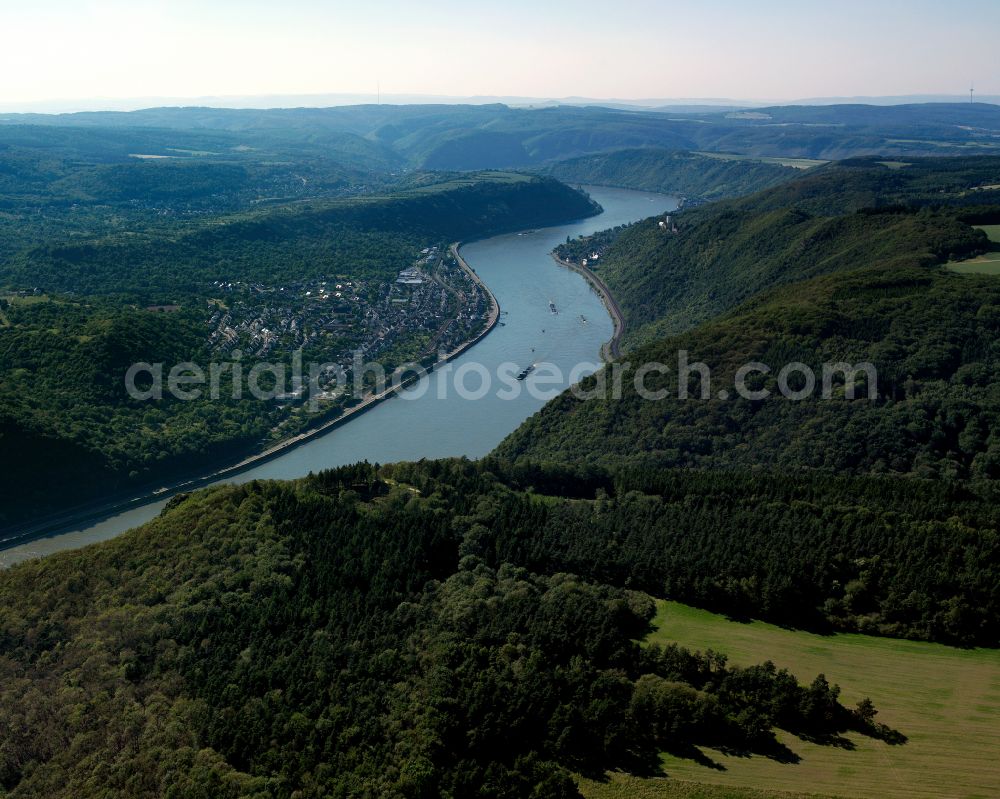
<point x="619" y="786"/>
<point x="945" y="700"/>
<point x="988" y="264"/>
<point x="13" y="299"/>
<point x="470" y="180"/>
<point x="894" y="164"/>
<point x="797" y="163"/>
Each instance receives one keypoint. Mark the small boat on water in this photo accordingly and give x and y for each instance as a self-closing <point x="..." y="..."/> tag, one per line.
<point x="552" y="307"/>
<point x="525" y="372"/>
<point x="583" y="318"/>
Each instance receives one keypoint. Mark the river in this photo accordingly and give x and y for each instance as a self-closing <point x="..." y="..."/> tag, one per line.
<point x="431" y="419"/>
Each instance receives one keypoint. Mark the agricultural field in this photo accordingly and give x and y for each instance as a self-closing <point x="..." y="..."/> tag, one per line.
<point x="7" y="300"/>
<point x="795" y="163"/>
<point x="946" y="701"/>
<point x="894" y="164"/>
<point x="625" y="786"/>
<point x="471" y="179"/>
<point x="988" y="264"/>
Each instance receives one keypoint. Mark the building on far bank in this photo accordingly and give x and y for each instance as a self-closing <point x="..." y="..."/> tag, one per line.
<point x="410" y="277"/>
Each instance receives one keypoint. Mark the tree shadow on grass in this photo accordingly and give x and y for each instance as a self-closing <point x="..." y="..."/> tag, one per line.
<point x="814" y="623"/>
<point x="641" y="765"/>
<point x="852" y="722"/>
<point x="693" y="753"/>
<point x="883" y="732"/>
<point x="640" y="762"/>
<point x="772" y="749"/>
<point x="834" y="739"/>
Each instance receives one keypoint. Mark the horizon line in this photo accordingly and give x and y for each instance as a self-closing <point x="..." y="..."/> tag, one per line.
<point x="54" y="106"/>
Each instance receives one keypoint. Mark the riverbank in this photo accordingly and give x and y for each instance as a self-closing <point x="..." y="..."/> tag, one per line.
<point x="611" y="350"/>
<point x="494" y="315"/>
<point x="73" y="517"/>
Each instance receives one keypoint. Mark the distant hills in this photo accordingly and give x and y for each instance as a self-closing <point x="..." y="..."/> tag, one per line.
<point x="266" y="101"/>
<point x="705" y="177"/>
<point x="489" y="136"/>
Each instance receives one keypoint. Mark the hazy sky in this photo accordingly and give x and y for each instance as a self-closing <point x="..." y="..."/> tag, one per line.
<point x="767" y="49"/>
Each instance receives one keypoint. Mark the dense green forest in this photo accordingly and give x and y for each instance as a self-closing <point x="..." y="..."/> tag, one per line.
<point x="359" y="237"/>
<point x="907" y="558"/>
<point x="67" y="422"/>
<point x="355" y="633"/>
<point x="690" y="175"/>
<point x="864" y="183"/>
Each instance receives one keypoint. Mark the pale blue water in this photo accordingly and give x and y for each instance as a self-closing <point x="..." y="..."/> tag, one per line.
<point x="519" y="270"/>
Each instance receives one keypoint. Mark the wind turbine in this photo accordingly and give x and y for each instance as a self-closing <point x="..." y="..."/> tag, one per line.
<point x="972" y="89"/>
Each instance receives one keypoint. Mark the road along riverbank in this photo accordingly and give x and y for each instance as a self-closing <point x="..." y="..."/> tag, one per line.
<point x="611" y="350"/>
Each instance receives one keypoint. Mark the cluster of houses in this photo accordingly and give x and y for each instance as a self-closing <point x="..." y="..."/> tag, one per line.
<point x="259" y="319"/>
<point x="433" y="300"/>
<point x="410" y="277"/>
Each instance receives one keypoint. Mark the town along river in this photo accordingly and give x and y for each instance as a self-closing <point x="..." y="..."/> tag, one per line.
<point x="434" y="421"/>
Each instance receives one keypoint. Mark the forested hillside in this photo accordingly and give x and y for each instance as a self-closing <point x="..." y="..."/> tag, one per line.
<point x="67" y="422"/>
<point x="357" y="236"/>
<point x="930" y="335"/>
<point x="842" y="216"/>
<point x="690" y="175"/>
<point x="667" y="283"/>
<point x="875" y="182"/>
<point x="406" y="633"/>
<point x="929" y="409"/>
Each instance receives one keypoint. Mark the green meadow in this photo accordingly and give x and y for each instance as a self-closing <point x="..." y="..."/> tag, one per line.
<point x="796" y="163"/>
<point x="987" y="264"/>
<point x="621" y="786"/>
<point x="894" y="164"/>
<point x="945" y="700"/>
